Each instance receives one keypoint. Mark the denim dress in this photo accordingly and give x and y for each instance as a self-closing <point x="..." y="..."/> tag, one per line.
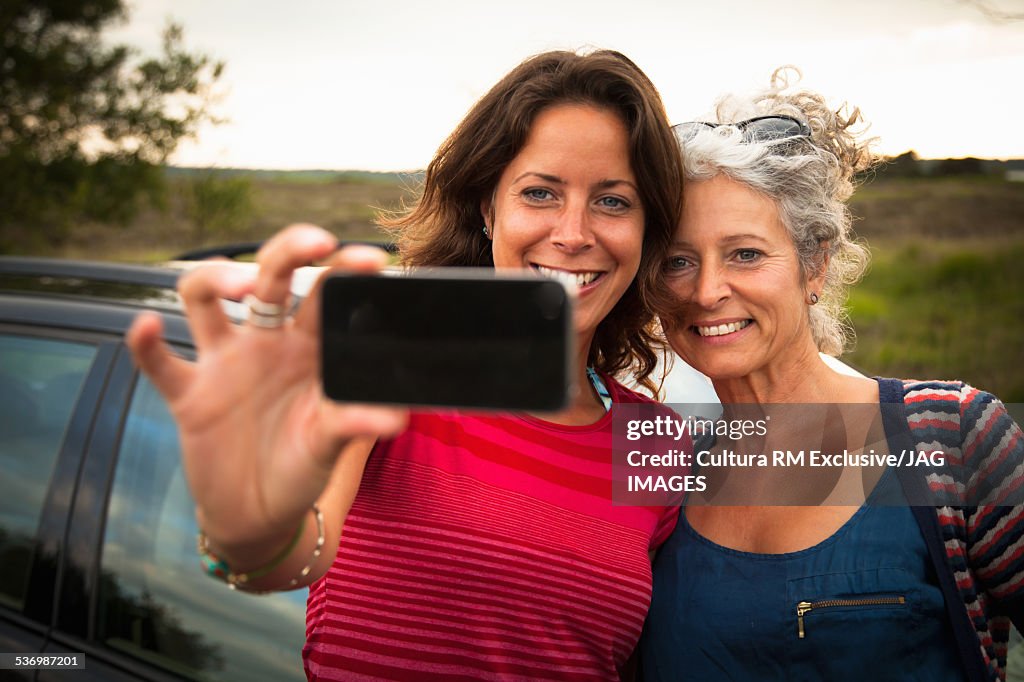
<point x="863" y="604"/>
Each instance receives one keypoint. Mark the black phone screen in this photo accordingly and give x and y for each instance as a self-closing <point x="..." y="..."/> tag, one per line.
<point x="447" y="338"/>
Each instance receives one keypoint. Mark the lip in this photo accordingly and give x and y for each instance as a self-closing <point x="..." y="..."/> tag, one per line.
<point x="573" y="274"/>
<point x="727" y="336"/>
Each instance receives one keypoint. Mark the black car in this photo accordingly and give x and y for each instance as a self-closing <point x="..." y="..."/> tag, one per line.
<point x="97" y="527"/>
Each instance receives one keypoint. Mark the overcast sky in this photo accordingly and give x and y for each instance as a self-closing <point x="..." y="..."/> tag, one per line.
<point x="378" y="84"/>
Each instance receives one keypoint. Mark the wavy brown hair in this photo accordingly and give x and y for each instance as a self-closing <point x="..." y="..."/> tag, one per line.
<point x="445" y="228"/>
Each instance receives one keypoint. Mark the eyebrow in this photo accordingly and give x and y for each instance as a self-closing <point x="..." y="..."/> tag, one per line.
<point x="728" y="240"/>
<point x="561" y="181"/>
<point x="744" y="237"/>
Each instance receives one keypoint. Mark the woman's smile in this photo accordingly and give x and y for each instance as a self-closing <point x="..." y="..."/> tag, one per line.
<point x="581" y="278"/>
<point x="720" y="330"/>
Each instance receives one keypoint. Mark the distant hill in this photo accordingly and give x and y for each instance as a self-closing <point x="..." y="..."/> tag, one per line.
<point x="312" y="175"/>
<point x="904" y="165"/>
<point x="909" y="165"/>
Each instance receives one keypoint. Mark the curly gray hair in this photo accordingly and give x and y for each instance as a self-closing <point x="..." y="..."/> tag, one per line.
<point x="809" y="180"/>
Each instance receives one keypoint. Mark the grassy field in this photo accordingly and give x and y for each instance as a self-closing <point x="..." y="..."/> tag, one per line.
<point x="943" y="309"/>
<point x="345" y="206"/>
<point x="944" y="297"/>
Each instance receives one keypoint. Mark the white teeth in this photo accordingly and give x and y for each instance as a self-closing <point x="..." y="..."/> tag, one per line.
<point x="580" y="279"/>
<point x="722" y="329"/>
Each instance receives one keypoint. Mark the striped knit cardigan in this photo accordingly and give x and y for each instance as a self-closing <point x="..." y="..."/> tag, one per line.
<point x="975" y="528"/>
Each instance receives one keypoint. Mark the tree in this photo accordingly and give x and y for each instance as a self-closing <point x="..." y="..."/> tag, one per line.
<point x="85" y="127"/>
<point x="905" y="165"/>
<point x="965" y="166"/>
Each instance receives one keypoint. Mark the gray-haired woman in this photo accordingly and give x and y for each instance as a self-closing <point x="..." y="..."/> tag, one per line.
<point x="866" y="572"/>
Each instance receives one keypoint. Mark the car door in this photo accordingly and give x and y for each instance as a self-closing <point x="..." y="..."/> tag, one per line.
<point x="150" y="609"/>
<point x="97" y="529"/>
<point x="50" y="383"/>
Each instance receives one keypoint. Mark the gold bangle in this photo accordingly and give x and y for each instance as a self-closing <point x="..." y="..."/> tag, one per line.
<point x="215" y="567"/>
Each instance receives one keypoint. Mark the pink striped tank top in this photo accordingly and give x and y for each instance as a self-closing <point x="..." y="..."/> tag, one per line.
<point x="486" y="547"/>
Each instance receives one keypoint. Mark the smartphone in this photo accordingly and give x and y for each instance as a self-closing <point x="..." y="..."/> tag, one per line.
<point x="452" y="337"/>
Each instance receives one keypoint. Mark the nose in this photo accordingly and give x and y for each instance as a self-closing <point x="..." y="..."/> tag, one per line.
<point x="572" y="231"/>
<point x="711" y="287"/>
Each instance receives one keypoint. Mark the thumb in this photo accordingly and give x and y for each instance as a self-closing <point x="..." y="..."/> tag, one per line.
<point x="169" y="373"/>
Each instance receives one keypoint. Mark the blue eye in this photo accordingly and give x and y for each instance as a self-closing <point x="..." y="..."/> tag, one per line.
<point x="748" y="255"/>
<point x="613" y="202"/>
<point x="676" y="263"/>
<point x="538" y="194"/>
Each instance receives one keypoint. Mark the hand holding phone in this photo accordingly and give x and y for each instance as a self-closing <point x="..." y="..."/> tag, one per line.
<point x="452" y="337"/>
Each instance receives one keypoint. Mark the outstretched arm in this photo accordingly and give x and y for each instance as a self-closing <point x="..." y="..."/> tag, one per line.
<point x="260" y="442"/>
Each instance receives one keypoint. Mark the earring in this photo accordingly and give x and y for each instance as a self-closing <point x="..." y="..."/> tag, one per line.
<point x="814" y="298"/>
<point x="486" y="233"/>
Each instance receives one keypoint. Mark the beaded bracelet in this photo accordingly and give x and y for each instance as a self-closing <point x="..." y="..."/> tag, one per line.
<point x="215" y="567"/>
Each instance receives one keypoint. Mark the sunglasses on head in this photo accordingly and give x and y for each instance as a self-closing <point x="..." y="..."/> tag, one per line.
<point x="757" y="129"/>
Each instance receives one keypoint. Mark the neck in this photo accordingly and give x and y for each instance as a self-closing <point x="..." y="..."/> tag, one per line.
<point x="799" y="376"/>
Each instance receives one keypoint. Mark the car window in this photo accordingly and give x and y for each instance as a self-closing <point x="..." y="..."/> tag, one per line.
<point x="155" y="602"/>
<point x="40" y="380"/>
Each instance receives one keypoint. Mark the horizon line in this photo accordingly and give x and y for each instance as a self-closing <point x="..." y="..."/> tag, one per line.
<point x="266" y="169"/>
